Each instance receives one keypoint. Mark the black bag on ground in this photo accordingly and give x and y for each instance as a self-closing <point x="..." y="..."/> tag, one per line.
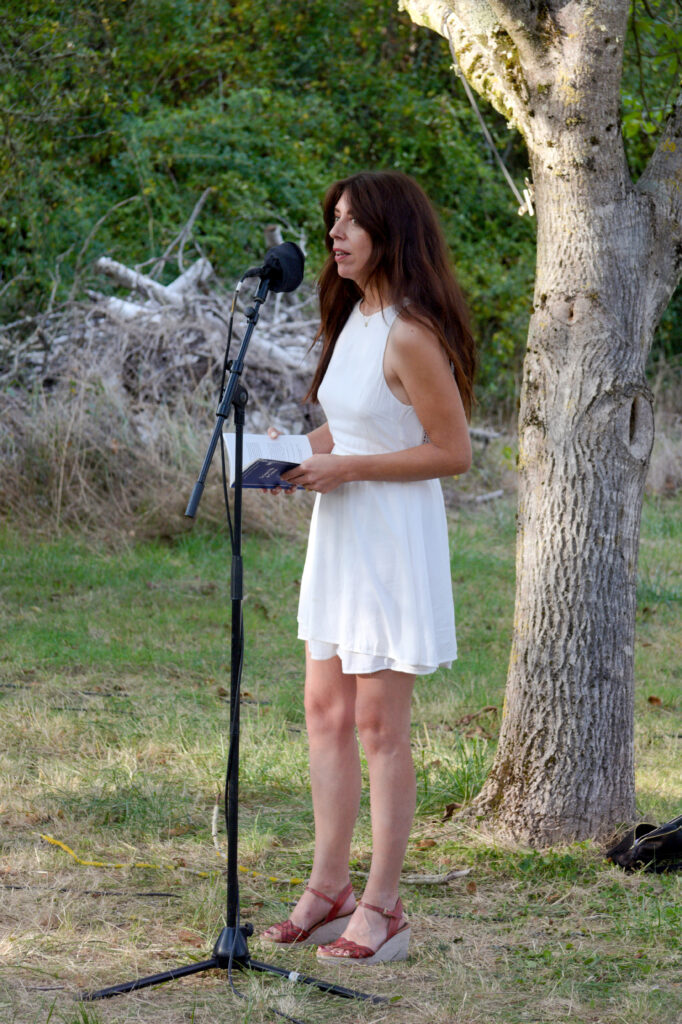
<point x="654" y="848"/>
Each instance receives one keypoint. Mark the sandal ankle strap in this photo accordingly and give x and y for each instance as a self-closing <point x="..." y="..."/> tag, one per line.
<point x="397" y="911"/>
<point x="335" y="904"/>
<point x="395" y="916"/>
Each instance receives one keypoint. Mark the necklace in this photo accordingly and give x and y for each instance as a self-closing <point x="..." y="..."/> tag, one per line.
<point x="366" y="317"/>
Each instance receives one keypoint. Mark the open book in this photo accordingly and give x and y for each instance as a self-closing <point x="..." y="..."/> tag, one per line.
<point x="265" y="458"/>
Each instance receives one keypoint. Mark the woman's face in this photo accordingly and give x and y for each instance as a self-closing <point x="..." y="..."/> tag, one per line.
<point x="352" y="245"/>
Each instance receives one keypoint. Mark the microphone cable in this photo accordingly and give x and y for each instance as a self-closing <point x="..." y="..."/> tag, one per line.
<point x="221" y="392"/>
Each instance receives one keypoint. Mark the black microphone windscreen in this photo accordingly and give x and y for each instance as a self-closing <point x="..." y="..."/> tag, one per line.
<point x="283" y="267"/>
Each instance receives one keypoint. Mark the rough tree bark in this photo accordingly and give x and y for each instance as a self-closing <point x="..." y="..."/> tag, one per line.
<point x="608" y="260"/>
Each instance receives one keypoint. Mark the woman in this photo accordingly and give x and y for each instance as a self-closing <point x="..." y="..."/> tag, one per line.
<point x="395" y="381"/>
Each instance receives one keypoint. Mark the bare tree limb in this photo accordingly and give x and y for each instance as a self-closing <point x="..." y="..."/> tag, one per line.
<point x="173" y="294"/>
<point x="663" y="175"/>
<point x="56" y="279"/>
<point x="442" y="879"/>
<point x="13" y="280"/>
<point x="137" y="282"/>
<point x="662" y="180"/>
<point x="198" y="273"/>
<point x="182" y="238"/>
<point x="483" y="49"/>
<point x="93" y="231"/>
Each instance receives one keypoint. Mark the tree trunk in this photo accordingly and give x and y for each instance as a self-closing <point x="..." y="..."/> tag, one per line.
<point x="564" y="768"/>
<point x="608" y="261"/>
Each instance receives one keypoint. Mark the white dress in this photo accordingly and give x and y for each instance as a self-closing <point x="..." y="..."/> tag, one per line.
<point x="376" y="587"/>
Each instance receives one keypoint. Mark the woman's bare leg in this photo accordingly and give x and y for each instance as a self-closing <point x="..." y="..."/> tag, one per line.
<point x="383" y="712"/>
<point x="335" y="783"/>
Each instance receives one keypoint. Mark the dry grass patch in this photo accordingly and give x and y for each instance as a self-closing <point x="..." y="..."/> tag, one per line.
<point x="113" y="741"/>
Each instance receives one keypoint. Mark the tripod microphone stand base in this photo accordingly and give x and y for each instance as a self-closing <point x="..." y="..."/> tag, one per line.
<point x="230" y="951"/>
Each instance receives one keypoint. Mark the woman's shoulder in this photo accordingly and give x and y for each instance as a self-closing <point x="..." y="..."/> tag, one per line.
<point x="408" y="335"/>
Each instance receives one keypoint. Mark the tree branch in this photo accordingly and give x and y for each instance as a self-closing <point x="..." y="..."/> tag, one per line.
<point x="519" y="19"/>
<point x="181" y="239"/>
<point x="662" y="184"/>
<point x="663" y="175"/>
<point x="482" y="49"/>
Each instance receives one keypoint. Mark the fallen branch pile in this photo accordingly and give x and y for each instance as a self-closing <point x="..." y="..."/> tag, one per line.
<point x="107" y="405"/>
<point x="162" y="343"/>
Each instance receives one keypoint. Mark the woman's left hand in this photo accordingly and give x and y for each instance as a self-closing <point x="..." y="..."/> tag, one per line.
<point x="320" y="473"/>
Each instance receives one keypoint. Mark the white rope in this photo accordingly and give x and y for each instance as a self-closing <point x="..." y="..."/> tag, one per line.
<point x="525" y="201"/>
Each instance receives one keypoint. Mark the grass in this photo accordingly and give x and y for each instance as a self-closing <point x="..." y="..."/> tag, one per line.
<point x="114" y="672"/>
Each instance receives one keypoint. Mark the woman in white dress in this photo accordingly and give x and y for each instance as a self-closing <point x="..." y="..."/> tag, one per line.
<point x="395" y="381"/>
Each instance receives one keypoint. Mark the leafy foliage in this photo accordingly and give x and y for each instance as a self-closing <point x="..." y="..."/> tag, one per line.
<point x="651" y="77"/>
<point x="147" y="104"/>
<point x="116" y="116"/>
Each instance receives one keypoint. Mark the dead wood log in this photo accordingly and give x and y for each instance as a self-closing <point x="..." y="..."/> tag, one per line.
<point x="174" y="294"/>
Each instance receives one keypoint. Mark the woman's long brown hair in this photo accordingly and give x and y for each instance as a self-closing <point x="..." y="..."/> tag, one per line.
<point x="409" y="261"/>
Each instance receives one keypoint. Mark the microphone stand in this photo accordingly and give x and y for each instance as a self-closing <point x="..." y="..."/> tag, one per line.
<point x="231" y="949"/>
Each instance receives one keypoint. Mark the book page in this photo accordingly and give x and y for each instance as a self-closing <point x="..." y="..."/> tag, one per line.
<point x="287" y="449"/>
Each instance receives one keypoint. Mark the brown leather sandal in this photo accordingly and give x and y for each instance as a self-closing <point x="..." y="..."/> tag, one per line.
<point x="325" y="930"/>
<point x="394" y="946"/>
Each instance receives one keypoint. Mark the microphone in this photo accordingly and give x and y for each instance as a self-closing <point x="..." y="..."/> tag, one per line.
<point x="282" y="268"/>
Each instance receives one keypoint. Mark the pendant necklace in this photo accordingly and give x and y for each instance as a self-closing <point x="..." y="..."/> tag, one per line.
<point x="366" y="319"/>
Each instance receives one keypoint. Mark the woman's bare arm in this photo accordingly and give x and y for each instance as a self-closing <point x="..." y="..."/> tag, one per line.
<point x="417" y="363"/>
<point x="321" y="440"/>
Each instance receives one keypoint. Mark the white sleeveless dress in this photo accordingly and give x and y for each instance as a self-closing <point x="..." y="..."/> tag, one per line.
<point x="376" y="587"/>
